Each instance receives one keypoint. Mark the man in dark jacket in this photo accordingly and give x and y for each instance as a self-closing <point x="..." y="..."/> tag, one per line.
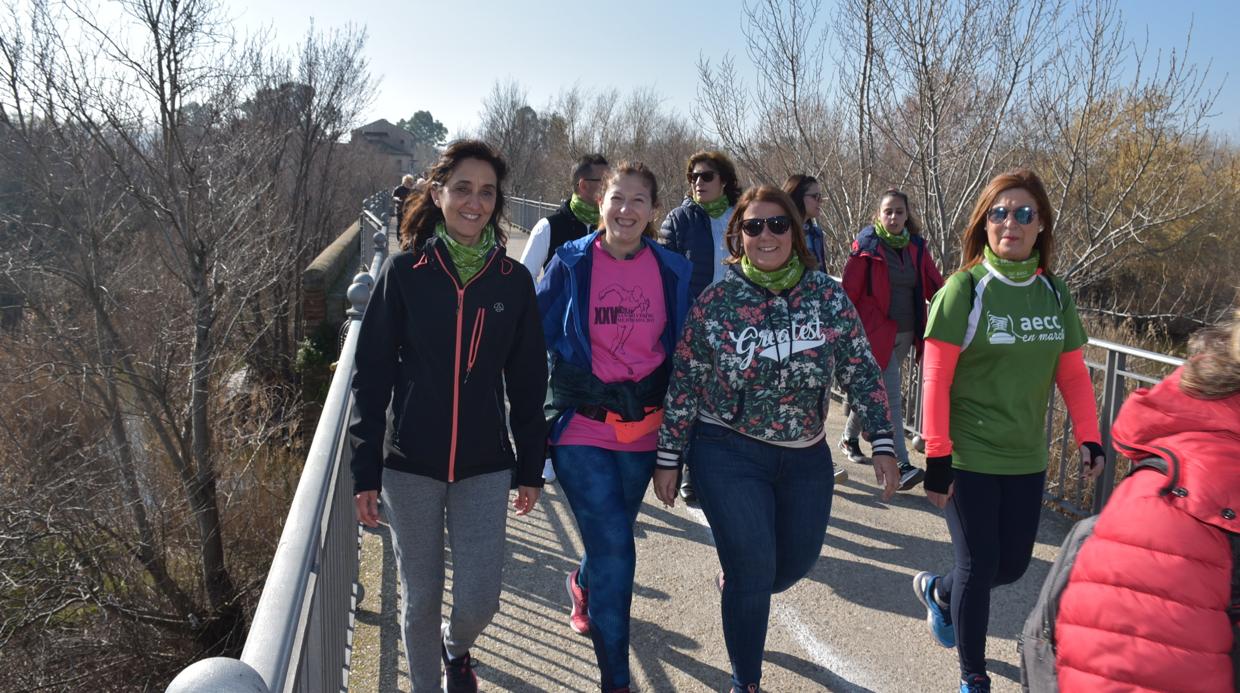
<point x="576" y="217"/>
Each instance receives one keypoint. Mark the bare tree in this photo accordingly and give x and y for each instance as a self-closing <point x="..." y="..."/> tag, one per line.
<point x="152" y="201"/>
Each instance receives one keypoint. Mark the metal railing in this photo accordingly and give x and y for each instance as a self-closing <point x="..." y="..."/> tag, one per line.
<point x="525" y="213"/>
<point x="1108" y="364"/>
<point x="380" y="205"/>
<point x="300" y="636"/>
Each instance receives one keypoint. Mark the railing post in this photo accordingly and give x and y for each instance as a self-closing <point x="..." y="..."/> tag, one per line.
<point x="1113" y="392"/>
<point x="218" y="675"/>
<point x="362" y="255"/>
<point x="359" y="295"/>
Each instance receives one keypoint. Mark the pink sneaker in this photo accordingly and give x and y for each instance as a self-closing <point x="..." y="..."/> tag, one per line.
<point x="579" y="617"/>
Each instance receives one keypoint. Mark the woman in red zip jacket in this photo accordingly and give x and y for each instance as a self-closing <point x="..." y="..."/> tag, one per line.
<point x="889" y="277"/>
<point x="452" y="326"/>
<point x="1148" y="602"/>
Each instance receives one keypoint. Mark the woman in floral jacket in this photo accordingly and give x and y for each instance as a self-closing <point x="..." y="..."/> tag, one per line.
<point x="748" y="396"/>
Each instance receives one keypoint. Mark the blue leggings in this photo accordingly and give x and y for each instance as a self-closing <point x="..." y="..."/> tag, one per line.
<point x="605" y="490"/>
<point x="993" y="519"/>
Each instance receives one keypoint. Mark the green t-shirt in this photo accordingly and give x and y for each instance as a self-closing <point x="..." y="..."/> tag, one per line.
<point x="1011" y="339"/>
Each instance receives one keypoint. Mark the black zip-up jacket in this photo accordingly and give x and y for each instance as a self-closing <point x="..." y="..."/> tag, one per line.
<point x="433" y="360"/>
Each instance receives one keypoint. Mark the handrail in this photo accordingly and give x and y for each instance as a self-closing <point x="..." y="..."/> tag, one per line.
<point x="300" y="630"/>
<point x="525" y="213"/>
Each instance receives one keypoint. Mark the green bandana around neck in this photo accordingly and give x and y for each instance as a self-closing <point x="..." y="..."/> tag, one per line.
<point x="585" y="212"/>
<point x="778" y="280"/>
<point x="467" y="258"/>
<point x="716" y="207"/>
<point x="1016" y="270"/>
<point x="894" y="241"/>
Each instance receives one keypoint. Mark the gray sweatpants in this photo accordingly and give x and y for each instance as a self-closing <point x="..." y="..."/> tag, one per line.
<point x="475" y="510"/>
<point x="892" y="375"/>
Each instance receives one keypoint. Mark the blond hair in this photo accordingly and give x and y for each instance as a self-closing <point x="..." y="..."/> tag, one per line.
<point x="1213" y="368"/>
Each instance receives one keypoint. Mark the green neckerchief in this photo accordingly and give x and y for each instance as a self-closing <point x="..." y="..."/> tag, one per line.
<point x="894" y="241"/>
<point x="1016" y="270"/>
<point x="585" y="212"/>
<point x="467" y="258"/>
<point x="716" y="207"/>
<point x="778" y="280"/>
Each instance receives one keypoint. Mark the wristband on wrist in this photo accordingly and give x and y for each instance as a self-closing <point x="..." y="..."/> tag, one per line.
<point x="939" y="474"/>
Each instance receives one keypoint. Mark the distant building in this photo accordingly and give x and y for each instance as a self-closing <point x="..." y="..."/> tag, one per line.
<point x="393" y="148"/>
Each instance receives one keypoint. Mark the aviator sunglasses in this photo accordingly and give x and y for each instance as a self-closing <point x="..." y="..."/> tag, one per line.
<point x="706" y="176"/>
<point x="1022" y="215"/>
<point x="778" y="226"/>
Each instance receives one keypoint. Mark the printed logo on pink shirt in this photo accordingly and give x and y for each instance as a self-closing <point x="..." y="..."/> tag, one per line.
<point x="623" y="308"/>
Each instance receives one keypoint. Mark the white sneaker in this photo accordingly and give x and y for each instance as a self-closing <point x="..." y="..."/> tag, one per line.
<point x="841" y="474"/>
<point x="548" y="472"/>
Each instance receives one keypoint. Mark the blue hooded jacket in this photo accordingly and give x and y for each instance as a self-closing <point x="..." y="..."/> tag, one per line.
<point x="564" y="300"/>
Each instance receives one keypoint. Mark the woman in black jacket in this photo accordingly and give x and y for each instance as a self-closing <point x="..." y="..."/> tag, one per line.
<point x="451" y="327"/>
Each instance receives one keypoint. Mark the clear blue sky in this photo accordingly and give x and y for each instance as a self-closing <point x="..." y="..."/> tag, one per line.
<point x="444" y="57"/>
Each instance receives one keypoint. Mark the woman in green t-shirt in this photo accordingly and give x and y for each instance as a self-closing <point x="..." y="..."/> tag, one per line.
<point x="1001" y="331"/>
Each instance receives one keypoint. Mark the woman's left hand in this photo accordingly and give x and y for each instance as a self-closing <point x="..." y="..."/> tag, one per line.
<point x="527" y="496"/>
<point x="1093" y="460"/>
<point x="666" y="481"/>
<point x="887" y="473"/>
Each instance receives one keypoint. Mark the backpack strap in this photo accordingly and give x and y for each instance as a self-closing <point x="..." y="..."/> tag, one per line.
<point x="1054" y="291"/>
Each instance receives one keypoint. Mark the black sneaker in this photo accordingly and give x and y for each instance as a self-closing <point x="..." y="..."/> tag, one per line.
<point x="910" y="476"/>
<point x="458" y="674"/>
<point x="852" y="449"/>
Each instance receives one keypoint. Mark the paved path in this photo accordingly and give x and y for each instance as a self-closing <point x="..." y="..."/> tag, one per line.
<point x="852" y="625"/>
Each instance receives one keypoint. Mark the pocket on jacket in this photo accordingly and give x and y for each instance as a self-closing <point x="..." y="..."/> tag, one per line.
<point x="401" y="415"/>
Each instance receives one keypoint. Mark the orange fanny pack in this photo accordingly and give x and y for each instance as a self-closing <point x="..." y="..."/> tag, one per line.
<point x="629" y="431"/>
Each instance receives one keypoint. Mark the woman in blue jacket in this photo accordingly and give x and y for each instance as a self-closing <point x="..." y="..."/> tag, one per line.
<point x="696" y="230"/>
<point x="612" y="307"/>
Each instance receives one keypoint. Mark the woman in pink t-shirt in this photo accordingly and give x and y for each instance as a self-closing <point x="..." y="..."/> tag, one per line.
<point x="612" y="307"/>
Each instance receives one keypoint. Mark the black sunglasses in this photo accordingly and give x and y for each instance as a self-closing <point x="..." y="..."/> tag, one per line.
<point x="778" y="226"/>
<point x="706" y="176"/>
<point x="1022" y="215"/>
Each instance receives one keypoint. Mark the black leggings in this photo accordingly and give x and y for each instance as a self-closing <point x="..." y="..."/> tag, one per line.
<point x="993" y="520"/>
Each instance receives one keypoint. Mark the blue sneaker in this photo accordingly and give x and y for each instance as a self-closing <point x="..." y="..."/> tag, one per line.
<point x="975" y="683"/>
<point x="940" y="623"/>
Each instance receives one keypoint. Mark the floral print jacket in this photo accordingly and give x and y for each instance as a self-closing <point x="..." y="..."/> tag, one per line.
<point x="762" y="364"/>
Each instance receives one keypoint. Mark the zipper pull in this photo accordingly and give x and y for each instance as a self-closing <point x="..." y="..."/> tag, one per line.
<point x="467" y="372"/>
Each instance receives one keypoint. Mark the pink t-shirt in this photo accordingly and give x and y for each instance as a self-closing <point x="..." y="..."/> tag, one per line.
<point x="627" y="316"/>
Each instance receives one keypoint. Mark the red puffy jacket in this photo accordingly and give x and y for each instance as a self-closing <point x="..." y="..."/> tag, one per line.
<point x="869" y="288"/>
<point x="1145" y="608"/>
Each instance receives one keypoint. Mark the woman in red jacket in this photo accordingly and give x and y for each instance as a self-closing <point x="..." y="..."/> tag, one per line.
<point x="889" y="277"/>
<point x="1146" y="606"/>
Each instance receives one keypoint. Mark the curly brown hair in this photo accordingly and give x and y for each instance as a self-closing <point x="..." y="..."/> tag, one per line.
<point x="423" y="214"/>
<point x="721" y="165"/>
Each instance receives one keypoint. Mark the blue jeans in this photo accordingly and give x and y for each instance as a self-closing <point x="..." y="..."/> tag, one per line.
<point x="605" y="490"/>
<point x="768" y="507"/>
